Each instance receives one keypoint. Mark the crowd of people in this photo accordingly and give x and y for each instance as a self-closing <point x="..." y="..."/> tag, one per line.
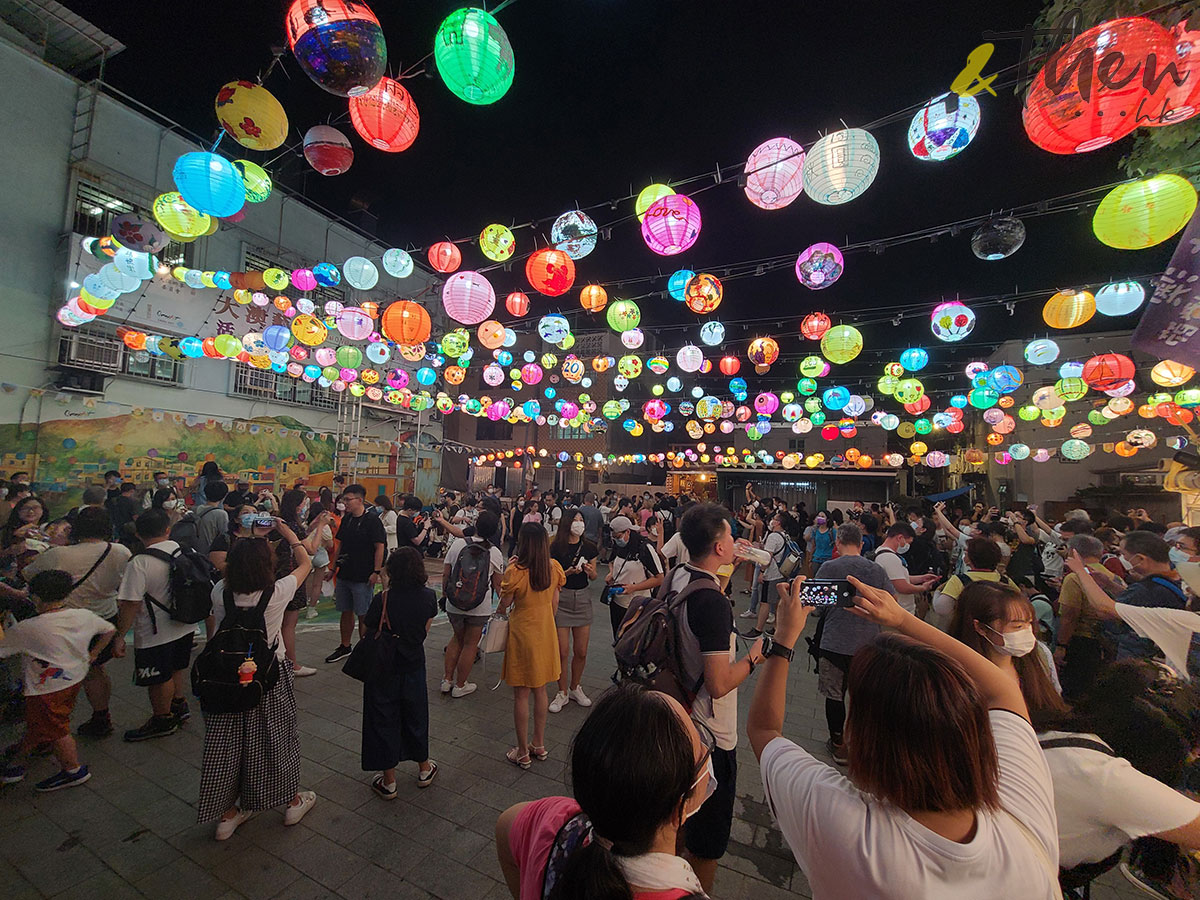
<point x="1008" y="699"/>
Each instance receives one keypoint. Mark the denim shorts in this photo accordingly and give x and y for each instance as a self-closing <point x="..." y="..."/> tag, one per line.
<point x="353" y="596"/>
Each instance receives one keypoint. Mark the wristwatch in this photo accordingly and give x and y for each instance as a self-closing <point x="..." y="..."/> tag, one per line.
<point x="772" y="648"/>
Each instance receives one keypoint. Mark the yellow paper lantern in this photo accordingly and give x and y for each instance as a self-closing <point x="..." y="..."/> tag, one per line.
<point x="251" y="115"/>
<point x="179" y="219"/>
<point x="497" y="242"/>
<point x="648" y="196"/>
<point x="1143" y="213"/>
<point x="1069" y="309"/>
<point x="841" y="343"/>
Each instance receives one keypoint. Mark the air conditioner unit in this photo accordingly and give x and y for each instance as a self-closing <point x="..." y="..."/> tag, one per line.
<point x="80" y="381"/>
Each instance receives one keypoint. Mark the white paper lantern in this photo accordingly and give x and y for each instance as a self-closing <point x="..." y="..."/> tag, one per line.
<point x="840" y="166"/>
<point x="690" y="358"/>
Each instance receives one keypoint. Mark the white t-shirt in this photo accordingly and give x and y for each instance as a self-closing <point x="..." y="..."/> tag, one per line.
<point x="1103" y="802"/>
<point x="674" y="549"/>
<point x="99" y="592"/>
<point x="774" y="543"/>
<point x="55" y="645"/>
<point x="893" y="565"/>
<point x="852" y="845"/>
<point x="285" y="589"/>
<point x="388" y="518"/>
<point x="1170" y="629"/>
<point x="496" y="568"/>
<point x="644" y="565"/>
<point x="147" y="575"/>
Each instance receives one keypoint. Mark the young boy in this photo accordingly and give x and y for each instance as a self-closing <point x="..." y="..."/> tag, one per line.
<point x="58" y="647"/>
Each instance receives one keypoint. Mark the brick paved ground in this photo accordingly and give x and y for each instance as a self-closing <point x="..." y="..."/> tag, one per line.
<point x="131" y="831"/>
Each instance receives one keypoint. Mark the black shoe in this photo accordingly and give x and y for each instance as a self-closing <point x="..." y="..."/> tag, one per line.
<point x="98" y="726"/>
<point x="179" y="709"/>
<point x="155" y="727"/>
<point x="339" y="653"/>
<point x="751" y="635"/>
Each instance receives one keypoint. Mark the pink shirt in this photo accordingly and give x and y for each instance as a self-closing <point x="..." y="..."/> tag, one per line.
<point x="644" y="515"/>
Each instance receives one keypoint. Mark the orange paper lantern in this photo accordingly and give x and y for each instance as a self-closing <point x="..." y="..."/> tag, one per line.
<point x="405" y="322"/>
<point x="551" y="272"/>
<point x="593" y="298"/>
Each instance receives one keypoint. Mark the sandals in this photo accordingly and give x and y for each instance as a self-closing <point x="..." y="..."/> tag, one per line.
<point x="520" y="761"/>
<point x="539" y="753"/>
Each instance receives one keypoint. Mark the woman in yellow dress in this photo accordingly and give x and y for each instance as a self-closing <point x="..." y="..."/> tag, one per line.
<point x="530" y="589"/>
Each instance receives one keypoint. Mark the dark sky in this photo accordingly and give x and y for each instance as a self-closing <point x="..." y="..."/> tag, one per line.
<point x="612" y="94"/>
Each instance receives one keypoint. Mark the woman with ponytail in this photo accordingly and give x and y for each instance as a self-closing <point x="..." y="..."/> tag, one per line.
<point x="639" y="769"/>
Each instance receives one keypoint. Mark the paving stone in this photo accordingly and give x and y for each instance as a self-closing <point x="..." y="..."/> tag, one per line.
<point x="450" y="880"/>
<point x="101" y="886"/>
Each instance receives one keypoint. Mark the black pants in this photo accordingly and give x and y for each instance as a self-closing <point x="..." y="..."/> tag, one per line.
<point x="1085" y="656"/>
<point x="835" y="718"/>
<point x="395" y="720"/>
<point x="617" y="616"/>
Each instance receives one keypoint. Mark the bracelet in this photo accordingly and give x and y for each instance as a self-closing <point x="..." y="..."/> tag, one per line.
<point x="297" y="544"/>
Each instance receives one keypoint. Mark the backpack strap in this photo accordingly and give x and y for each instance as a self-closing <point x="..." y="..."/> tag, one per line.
<point x="95" y="566"/>
<point x="260" y="608"/>
<point x="1078" y="742"/>
<point x="150" y="600"/>
<point x="1170" y="585"/>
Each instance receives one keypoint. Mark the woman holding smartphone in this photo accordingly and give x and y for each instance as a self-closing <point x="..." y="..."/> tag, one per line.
<point x="577" y="556"/>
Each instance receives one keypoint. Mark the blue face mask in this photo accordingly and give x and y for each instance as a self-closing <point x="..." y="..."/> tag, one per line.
<point x="1179" y="556"/>
<point x="248" y="520"/>
<point x="621" y="542"/>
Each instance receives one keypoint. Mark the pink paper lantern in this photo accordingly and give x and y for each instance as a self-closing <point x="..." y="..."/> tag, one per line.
<point x="819" y="266"/>
<point x="354" y="324"/>
<point x="672" y="225"/>
<point x="775" y="173"/>
<point x="468" y="297"/>
<point x="304" y="280"/>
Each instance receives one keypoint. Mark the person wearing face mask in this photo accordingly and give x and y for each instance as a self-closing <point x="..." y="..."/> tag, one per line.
<point x="573" y="618"/>
<point x="161" y="482"/>
<point x="241" y="526"/>
<point x="635" y="566"/>
<point x="167" y="500"/>
<point x="892" y="558"/>
<point x="820" y="536"/>
<point x="780" y="530"/>
<point x="640" y="769"/>
<point x="361" y="545"/>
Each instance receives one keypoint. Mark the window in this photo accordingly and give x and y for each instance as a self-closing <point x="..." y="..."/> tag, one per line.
<point x="569" y="433"/>
<point x="265" y="384"/>
<point x="99" y="350"/>
<point x="256" y="262"/>
<point x="96" y="209"/>
<point x="487" y="430"/>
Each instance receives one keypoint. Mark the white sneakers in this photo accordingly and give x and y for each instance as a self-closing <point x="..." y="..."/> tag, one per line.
<point x="293" y="814"/>
<point x="747" y="615"/>
<point x="447" y="685"/>
<point x="561" y="699"/>
<point x="311" y="613"/>
<point x="226" y="827"/>
<point x="468" y="688"/>
<point x="303" y="671"/>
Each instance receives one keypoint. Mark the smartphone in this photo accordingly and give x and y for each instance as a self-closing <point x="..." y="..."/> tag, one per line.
<point x="827" y="592"/>
<point x="264" y="522"/>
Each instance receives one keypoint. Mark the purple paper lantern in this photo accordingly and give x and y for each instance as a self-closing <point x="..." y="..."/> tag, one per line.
<point x="671" y="225"/>
<point x="819" y="266"/>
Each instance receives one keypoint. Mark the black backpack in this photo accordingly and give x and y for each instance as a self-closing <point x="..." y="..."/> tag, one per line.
<point x="189" y="586"/>
<point x="242" y="637"/>
<point x="471" y="577"/>
<point x="186" y="532"/>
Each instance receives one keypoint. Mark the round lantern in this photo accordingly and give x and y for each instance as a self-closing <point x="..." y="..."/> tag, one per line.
<point x="338" y="44"/>
<point x="841" y="343"/>
<point x="952" y="321"/>
<point x="593" y="298"/>
<point x="689" y="358"/>
<point x="468" y="297"/>
<point x="712" y="333"/>
<point x="517" y="303"/>
<point x="491" y="334"/>
<point x="308" y="330"/>
<point x="1143" y="213"/>
<point x="671" y="225"/>
<point x="574" y="233"/>
<point x="209" y="183"/>
<point x="251" y="115"/>
<point x="774" y="173"/>
<point x="551" y="272"/>
<point x="703" y="293"/>
<point x="404" y="322"/>
<point x="354" y="323"/>
<point x="445" y="256"/>
<point x="677" y="283"/>
<point x="1108" y="370"/>
<point x="647" y="197"/>
<point x="1071" y="389"/>
<point x="386" y="116"/>
<point x="397" y="263"/>
<point x="943" y="127"/>
<point x="255" y="181"/>
<point x="1171" y="374"/>
<point x="1069" y="309"/>
<point x="624" y="315"/>
<point x="497" y="242"/>
<point x="763" y="351"/>
<point x="730" y="365"/>
<point x="1004" y="379"/>
<point x="326" y="275"/>
<point x="1041" y="352"/>
<point x="1059" y="117"/>
<point x="819" y="266"/>
<point x="840" y="166"/>
<point x="328" y="150"/>
<point x="136" y="235"/>
<point x="633" y="338"/>
<point x="1119" y="298"/>
<point x="914" y="359"/>
<point x="1075" y="449"/>
<point x="360" y="273"/>
<point x="815" y="325"/>
<point x="474" y="56"/>
<point x="553" y="329"/>
<point x="998" y="238"/>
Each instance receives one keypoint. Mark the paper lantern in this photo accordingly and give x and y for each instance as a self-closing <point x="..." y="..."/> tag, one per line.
<point x="360" y="273"/>
<point x="338" y="44"/>
<point x="775" y="173"/>
<point x="354" y="324"/>
<point x="1107" y="370"/>
<point x="474" y="56"/>
<point x="952" y="321"/>
<point x="497" y="242"/>
<point x="819" y="266"/>
<point x="179" y="218"/>
<point x="405" y="322"/>
<point x="574" y="233"/>
<point x="468" y="297"/>
<point x="255" y="181"/>
<point x="689" y="358"/>
<point x="445" y="256"/>
<point x="1171" y="374"/>
<point x="703" y="293"/>
<point x="647" y="197"/>
<point x="326" y="275"/>
<point x="671" y="225"/>
<point x="633" y="338"/>
<point x="1069" y="309"/>
<point x="136" y="235"/>
<point x="328" y="150"/>
<point x="397" y="263"/>
<point x="491" y="334"/>
<point x="517" y="304"/>
<point x="841" y="343"/>
<point x="1041" y="352"/>
<point x="1119" y="298"/>
<point x="998" y="238"/>
<point x="1080" y="101"/>
<point x="551" y="272"/>
<point x="1075" y="449"/>
<point x="943" y="127"/>
<point x="386" y="116"/>
<point x="814" y="326"/>
<point x="251" y="115"/>
<point x="624" y="315"/>
<point x="1071" y="389"/>
<point x="712" y="333"/>
<point x="593" y="298"/>
<point x="763" y="351"/>
<point x="553" y="329"/>
<point x="1144" y="213"/>
<point x="730" y="365"/>
<point x="914" y="359"/>
<point x="308" y="330"/>
<point x="840" y="166"/>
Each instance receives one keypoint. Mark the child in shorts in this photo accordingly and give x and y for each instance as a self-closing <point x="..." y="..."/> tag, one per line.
<point x="59" y="645"/>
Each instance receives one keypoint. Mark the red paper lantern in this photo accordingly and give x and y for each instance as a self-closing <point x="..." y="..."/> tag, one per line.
<point x="386" y="116"/>
<point x="917" y="406"/>
<point x="1107" y="371"/>
<point x="730" y="365"/>
<point x="1177" y="102"/>
<point x="1091" y="92"/>
<point x="445" y="257"/>
<point x="551" y="272"/>
<point x="517" y="303"/>
<point x="815" y="325"/>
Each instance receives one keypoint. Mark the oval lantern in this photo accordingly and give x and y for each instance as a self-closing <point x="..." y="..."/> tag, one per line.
<point x="593" y="298"/>
<point x="1168" y="373"/>
<point x="445" y="257"/>
<point x="497" y="242"/>
<point x="474" y="56"/>
<point x="671" y="225"/>
<point x="550" y="272"/>
<point x="1069" y="309"/>
<point x="1041" y="352"/>
<point x="952" y="321"/>
<point x="386" y="116"/>
<point x="841" y="343"/>
<point x="517" y="304"/>
<point x="360" y="273"/>
<point x="468" y="297"/>
<point x="574" y="233"/>
<point x="328" y="150"/>
<point x="819" y="266"/>
<point x="1144" y="213"/>
<point x="703" y="293"/>
<point x="840" y="166"/>
<point x="404" y="322"/>
<point x="135" y="234"/>
<point x="1120" y="298"/>
<point x="209" y="183"/>
<point x="998" y="238"/>
<point x="815" y="325"/>
<point x="943" y="127"/>
<point x="251" y="115"/>
<point x="1108" y="370"/>
<point x="338" y="43"/>
<point x="775" y="173"/>
<point x="397" y="263"/>
<point x="178" y="218"/>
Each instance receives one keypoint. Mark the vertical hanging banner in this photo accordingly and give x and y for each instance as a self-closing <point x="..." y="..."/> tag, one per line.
<point x="1170" y="326"/>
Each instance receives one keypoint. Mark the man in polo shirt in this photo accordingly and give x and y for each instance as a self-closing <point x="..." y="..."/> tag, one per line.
<point x="362" y="542"/>
<point x="635" y="566"/>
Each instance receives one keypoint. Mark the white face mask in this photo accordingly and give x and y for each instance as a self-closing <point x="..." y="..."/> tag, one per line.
<point x="710" y="787"/>
<point x="170" y="504"/>
<point x="163" y="482"/>
<point x="577" y="528"/>
<point x="1126" y="562"/>
<point x="1179" y="556"/>
<point x="903" y="548"/>
<point x="341" y="507"/>
<point x="1016" y="643"/>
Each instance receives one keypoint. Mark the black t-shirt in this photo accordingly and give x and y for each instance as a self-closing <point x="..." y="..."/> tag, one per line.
<point x="570" y="554"/>
<point x="408" y="611"/>
<point x="709" y="614"/>
<point x="358" y="537"/>
<point x="406" y="532"/>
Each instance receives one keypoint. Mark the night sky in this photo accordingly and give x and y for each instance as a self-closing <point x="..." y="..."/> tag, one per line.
<point x="613" y="94"/>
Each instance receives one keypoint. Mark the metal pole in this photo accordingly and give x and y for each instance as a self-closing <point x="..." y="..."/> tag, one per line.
<point x="417" y="452"/>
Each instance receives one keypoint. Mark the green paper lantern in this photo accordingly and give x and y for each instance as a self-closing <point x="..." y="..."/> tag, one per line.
<point x="474" y="56"/>
<point x="1029" y="413"/>
<point x="1097" y="418"/>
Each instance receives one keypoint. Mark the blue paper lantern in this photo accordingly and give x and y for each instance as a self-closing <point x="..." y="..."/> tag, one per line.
<point x="209" y="184"/>
<point x="277" y="337"/>
<point x="677" y="283"/>
<point x="835" y="397"/>
<point x="327" y="274"/>
<point x="914" y="359"/>
<point x="958" y="401"/>
<point x="426" y="376"/>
